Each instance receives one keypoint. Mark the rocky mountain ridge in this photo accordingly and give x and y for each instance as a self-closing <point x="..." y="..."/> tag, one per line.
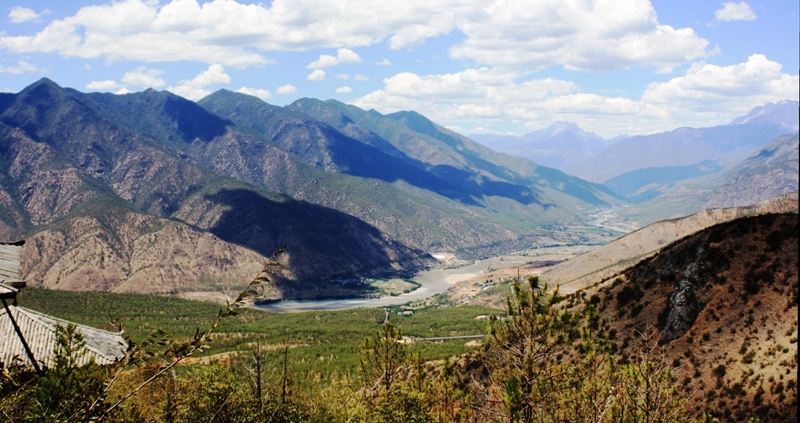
<point x="255" y="177"/>
<point x="769" y="172"/>
<point x="62" y="154"/>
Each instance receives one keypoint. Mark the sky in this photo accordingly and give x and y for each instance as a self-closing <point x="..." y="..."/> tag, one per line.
<point x="614" y="67"/>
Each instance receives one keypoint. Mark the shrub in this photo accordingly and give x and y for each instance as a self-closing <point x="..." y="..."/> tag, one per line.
<point x="628" y="294"/>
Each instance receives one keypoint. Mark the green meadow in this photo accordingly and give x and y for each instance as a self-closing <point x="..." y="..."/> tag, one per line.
<point x="322" y="344"/>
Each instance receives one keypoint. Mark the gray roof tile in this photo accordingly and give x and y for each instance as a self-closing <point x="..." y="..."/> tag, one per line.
<point x="39" y="331"/>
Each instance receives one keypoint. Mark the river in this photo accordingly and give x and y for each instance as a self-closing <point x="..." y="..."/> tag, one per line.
<point x="431" y="282"/>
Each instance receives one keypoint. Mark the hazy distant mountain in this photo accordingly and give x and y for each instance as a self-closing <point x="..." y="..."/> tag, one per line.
<point x="769" y="172"/>
<point x="559" y="145"/>
<point x="646" y="184"/>
<point x="782" y="113"/>
<point x="725" y="145"/>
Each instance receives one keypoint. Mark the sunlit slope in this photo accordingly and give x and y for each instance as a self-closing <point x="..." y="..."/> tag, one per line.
<point x="63" y="151"/>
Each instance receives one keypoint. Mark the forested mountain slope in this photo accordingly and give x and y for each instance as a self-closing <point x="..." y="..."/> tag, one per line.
<point x="349" y="199"/>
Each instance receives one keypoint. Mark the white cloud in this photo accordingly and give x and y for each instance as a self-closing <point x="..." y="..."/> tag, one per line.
<point x="106" y="85"/>
<point x="347" y="56"/>
<point x="195" y="88"/>
<point x="19" y="14"/>
<point x="705" y="95"/>
<point x="21" y="67"/>
<point x="360" y="77"/>
<point x="735" y="12"/>
<point x="256" y="92"/>
<point x="384" y="62"/>
<point x="593" y="35"/>
<point x="342" y="76"/>
<point x="286" y="89"/>
<point x="135" y="30"/>
<point x="344" y="55"/>
<point x="233" y="33"/>
<point x="122" y="91"/>
<point x="317" y="75"/>
<point x="485" y="83"/>
<point x="344" y="90"/>
<point x="144" y="77"/>
<point x="324" y="61"/>
<point x="215" y="74"/>
<point x="708" y="89"/>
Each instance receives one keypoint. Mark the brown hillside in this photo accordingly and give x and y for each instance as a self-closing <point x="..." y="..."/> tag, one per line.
<point x="121" y="250"/>
<point x="614" y="257"/>
<point x="725" y="304"/>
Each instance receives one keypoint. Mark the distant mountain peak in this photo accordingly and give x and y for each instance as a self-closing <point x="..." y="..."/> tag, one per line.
<point x="783" y="113"/>
<point x="561" y="127"/>
<point x="44" y="81"/>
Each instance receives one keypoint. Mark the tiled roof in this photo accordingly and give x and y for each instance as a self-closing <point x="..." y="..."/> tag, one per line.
<point x="39" y="331"/>
<point x="9" y="261"/>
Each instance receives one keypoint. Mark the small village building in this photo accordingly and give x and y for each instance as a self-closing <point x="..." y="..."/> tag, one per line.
<point x="25" y="333"/>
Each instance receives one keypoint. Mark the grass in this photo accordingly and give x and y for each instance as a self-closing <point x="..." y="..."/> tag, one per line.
<point x="325" y="343"/>
<point x="394" y="286"/>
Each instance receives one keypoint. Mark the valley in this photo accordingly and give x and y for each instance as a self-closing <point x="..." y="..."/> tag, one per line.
<point x="250" y="175"/>
<point x="440" y="280"/>
<point x="404" y="237"/>
<point x="361" y="211"/>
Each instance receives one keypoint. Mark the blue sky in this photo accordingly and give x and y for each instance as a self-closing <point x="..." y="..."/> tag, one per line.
<point x="612" y="66"/>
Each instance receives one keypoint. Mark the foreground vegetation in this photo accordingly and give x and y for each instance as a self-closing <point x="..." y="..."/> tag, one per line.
<point x="323" y="343"/>
<point x="538" y="363"/>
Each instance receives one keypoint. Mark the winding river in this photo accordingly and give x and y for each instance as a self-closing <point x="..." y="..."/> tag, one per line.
<point x="431" y="282"/>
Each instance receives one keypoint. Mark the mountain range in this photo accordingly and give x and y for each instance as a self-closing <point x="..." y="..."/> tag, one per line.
<point x="150" y="192"/>
<point x="643" y="167"/>
<point x="560" y="145"/>
<point x="689" y="151"/>
<point x="768" y="172"/>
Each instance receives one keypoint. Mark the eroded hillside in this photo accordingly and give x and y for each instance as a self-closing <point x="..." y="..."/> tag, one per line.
<point x="724" y="304"/>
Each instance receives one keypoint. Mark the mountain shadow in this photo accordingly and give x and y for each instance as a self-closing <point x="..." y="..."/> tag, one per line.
<point x="428" y="144"/>
<point x="163" y="116"/>
<point x="479" y="186"/>
<point x="322" y="244"/>
<point x="323" y="146"/>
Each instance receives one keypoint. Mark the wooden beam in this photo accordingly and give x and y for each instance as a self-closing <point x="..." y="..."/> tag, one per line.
<point x="22" y="338"/>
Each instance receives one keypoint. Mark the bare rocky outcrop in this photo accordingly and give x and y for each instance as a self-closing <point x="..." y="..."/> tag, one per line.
<point x="684" y="302"/>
